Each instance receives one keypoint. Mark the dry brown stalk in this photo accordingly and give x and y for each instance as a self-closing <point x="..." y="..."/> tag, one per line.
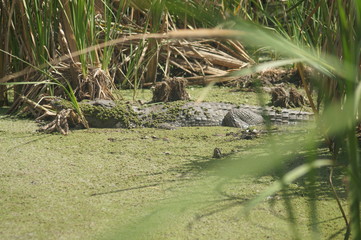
<point x="43" y="111"/>
<point x="59" y="124"/>
<point x="179" y="34"/>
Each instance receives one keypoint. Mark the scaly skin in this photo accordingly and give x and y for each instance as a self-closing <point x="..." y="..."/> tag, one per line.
<point x="179" y="114"/>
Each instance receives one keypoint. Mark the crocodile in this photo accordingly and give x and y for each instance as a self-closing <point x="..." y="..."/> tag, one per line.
<point x="108" y="114"/>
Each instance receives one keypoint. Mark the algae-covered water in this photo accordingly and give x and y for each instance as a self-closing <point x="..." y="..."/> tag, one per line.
<point x="149" y="184"/>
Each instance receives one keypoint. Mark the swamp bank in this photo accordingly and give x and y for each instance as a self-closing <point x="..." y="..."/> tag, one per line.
<point x="148" y="183"/>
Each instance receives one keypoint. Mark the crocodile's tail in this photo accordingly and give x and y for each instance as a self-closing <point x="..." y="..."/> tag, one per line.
<point x="246" y="116"/>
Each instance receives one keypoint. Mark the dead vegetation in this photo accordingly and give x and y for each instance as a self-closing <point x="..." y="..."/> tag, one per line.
<point x="284" y="99"/>
<point x="170" y="90"/>
<point x="60" y="123"/>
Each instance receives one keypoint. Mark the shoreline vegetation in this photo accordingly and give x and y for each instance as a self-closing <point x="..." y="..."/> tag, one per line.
<point x="93" y="182"/>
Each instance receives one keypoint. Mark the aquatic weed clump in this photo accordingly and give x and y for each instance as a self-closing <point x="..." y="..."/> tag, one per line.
<point x="121" y="115"/>
<point x="171" y="112"/>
